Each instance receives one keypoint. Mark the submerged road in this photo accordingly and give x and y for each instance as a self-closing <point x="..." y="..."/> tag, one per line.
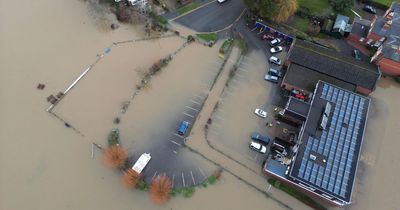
<point x="213" y="16"/>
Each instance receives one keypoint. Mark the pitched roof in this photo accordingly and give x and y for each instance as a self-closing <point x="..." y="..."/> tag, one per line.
<point x="394" y="28"/>
<point x="329" y="62"/>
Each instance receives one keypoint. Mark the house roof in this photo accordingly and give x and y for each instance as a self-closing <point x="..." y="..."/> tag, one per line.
<point x="306" y="79"/>
<point x="333" y="64"/>
<point x="391" y="48"/>
<point x="361" y="27"/>
<point x="394" y="29"/>
<point x="341" y="24"/>
<point x="327" y="159"/>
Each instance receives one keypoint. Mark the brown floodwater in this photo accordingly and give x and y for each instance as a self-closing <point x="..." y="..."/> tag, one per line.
<point x="47" y="166"/>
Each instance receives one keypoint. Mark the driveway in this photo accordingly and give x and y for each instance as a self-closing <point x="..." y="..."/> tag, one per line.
<point x="214" y="16"/>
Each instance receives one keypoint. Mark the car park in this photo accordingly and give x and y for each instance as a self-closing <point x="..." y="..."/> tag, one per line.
<point x="260" y="113"/>
<point x="183" y="127"/>
<point x="356" y="54"/>
<point x="275" y="42"/>
<point x="275" y="72"/>
<point x="276" y="49"/>
<point x="275" y="60"/>
<point x="370" y="9"/>
<point x="258" y="137"/>
<point x="258" y="147"/>
<point x="271" y="78"/>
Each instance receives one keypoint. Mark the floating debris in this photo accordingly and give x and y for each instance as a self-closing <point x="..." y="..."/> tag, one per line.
<point x="41" y="86"/>
<point x="52" y="99"/>
<point x="60" y="95"/>
<point x="117" y="120"/>
<point x="113" y="138"/>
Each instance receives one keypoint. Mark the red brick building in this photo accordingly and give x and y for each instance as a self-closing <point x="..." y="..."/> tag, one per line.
<point x="383" y="34"/>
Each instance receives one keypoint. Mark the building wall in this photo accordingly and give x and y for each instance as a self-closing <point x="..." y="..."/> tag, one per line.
<point x="314" y="196"/>
<point x="373" y="36"/>
<point x="363" y="90"/>
<point x="354" y="38"/>
<point x="389" y="66"/>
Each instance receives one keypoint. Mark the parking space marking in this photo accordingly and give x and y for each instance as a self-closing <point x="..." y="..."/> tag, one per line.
<point x="198" y="103"/>
<point x="245" y="63"/>
<point x="247" y="58"/>
<point x="175" y="152"/>
<point x="192" y="108"/>
<point x="243" y="69"/>
<point x="253" y="29"/>
<point x="183" y="180"/>
<point x="191" y="173"/>
<point x="198" y="96"/>
<point x="202" y="173"/>
<point x="188" y="114"/>
<point x="154" y="175"/>
<point x="235" y="80"/>
<point x="173" y="180"/>
<point x="178" y="135"/>
<point x="174" y="142"/>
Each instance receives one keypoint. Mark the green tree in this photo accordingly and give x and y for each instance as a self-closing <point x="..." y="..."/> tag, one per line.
<point x="342" y="5"/>
<point x="276" y="10"/>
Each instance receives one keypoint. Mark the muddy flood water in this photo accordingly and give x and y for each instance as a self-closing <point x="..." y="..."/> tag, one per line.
<point x="45" y="165"/>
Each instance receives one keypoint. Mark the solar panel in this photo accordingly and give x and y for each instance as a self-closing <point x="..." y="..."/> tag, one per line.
<point x="334" y="148"/>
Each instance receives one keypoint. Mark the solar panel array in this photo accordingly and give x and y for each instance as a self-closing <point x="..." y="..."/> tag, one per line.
<point x="337" y="145"/>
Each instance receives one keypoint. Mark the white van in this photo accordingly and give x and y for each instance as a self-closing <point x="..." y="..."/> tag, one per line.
<point x="141" y="163"/>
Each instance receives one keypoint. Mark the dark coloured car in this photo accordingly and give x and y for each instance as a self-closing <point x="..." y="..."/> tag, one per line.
<point x="356" y="54"/>
<point x="370" y="9"/>
<point x="258" y="137"/>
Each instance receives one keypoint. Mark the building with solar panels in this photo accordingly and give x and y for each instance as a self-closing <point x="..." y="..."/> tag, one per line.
<point x="324" y="161"/>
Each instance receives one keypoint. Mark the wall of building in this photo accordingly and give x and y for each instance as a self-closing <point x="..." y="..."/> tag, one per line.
<point x="314" y="196"/>
<point x="373" y="36"/>
<point x="389" y="66"/>
<point x="363" y="90"/>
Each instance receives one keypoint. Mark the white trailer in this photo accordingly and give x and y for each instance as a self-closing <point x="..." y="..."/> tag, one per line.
<point x="141" y="162"/>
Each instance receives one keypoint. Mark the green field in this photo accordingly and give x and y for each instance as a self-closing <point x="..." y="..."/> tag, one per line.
<point x="316" y="7"/>
<point x="384" y="2"/>
<point x="300" y="24"/>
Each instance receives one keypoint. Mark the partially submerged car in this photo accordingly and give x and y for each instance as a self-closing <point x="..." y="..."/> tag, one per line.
<point x="275" y="42"/>
<point x="271" y="78"/>
<point x="258" y="137"/>
<point x="183" y="127"/>
<point x="258" y="147"/>
<point x="260" y="113"/>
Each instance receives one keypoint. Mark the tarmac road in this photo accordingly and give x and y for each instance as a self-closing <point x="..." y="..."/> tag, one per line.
<point x="214" y="16"/>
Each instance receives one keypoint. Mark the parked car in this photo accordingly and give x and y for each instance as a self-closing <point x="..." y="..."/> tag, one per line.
<point x="271" y="78"/>
<point x="261" y="113"/>
<point x="370" y="9"/>
<point x="267" y="37"/>
<point x="183" y="127"/>
<point x="258" y="147"/>
<point x="275" y="42"/>
<point x="276" y="49"/>
<point x="258" y="137"/>
<point x="356" y="54"/>
<point x="275" y="60"/>
<point x="275" y="72"/>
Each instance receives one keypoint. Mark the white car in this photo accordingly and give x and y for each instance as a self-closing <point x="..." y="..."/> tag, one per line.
<point x="276" y="49"/>
<point x="261" y="113"/>
<point x="221" y="1"/>
<point x="275" y="42"/>
<point x="275" y="60"/>
<point x="258" y="147"/>
<point x="271" y="78"/>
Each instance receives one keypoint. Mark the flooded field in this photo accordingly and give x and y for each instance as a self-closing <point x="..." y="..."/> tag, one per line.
<point x="48" y="166"/>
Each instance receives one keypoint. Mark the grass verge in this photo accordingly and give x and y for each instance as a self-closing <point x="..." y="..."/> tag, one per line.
<point x="160" y="19"/>
<point x="384" y="2"/>
<point x="211" y="37"/>
<point x="188" y="8"/>
<point x="296" y="194"/>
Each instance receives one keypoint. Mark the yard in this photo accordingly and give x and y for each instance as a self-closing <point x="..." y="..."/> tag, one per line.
<point x="315" y="7"/>
<point x="384" y="2"/>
